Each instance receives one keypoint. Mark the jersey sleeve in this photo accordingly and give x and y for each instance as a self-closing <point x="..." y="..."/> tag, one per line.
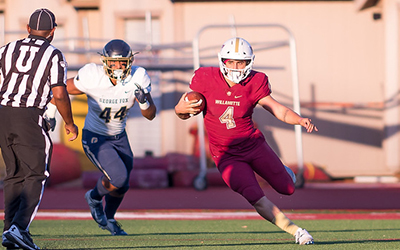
<point x="2" y="48"/>
<point x="58" y="70"/>
<point x="263" y="87"/>
<point x="199" y="81"/>
<point x="141" y="78"/>
<point x="86" y="77"/>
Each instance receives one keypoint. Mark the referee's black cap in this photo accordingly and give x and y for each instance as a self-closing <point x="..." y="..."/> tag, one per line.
<point x="42" y="19"/>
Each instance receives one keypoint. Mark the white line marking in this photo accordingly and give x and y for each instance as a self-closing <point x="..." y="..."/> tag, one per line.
<point x="204" y="215"/>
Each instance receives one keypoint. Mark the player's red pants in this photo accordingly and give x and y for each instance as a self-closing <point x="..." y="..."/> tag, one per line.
<point x="238" y="170"/>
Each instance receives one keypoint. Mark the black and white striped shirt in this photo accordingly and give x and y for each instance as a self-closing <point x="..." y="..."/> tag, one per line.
<point x="29" y="68"/>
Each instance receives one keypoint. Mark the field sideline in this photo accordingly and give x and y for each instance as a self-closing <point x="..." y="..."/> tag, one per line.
<point x="315" y="196"/>
<point x="220" y="215"/>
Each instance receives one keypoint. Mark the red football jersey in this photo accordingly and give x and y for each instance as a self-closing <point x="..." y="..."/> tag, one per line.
<point x="229" y="110"/>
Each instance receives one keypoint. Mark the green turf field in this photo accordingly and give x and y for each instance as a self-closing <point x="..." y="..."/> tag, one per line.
<point x="215" y="234"/>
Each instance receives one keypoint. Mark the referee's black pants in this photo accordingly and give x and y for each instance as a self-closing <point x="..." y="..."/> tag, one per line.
<point x="26" y="148"/>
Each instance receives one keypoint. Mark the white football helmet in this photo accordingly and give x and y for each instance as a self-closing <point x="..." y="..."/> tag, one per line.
<point x="237" y="49"/>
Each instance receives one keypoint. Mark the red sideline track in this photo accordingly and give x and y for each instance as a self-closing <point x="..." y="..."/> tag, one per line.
<point x="215" y="215"/>
<point x="339" y="200"/>
<point x="314" y="196"/>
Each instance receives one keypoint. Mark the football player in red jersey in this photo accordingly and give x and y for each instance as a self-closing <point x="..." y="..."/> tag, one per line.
<point x="239" y="149"/>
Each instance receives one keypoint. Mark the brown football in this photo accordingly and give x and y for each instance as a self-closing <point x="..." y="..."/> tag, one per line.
<point x="193" y="95"/>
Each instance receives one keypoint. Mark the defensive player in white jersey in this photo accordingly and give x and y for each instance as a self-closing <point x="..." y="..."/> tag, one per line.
<point x="111" y="90"/>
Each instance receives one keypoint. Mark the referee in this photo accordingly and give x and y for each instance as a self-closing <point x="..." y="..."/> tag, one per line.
<point x="31" y="72"/>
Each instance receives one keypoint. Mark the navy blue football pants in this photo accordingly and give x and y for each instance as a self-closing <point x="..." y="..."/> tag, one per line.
<point x="112" y="155"/>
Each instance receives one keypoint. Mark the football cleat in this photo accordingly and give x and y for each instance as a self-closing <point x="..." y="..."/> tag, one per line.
<point x="8" y="244"/>
<point x="114" y="227"/>
<point x="20" y="238"/>
<point x="303" y="237"/>
<point x="290" y="172"/>
<point x="96" y="209"/>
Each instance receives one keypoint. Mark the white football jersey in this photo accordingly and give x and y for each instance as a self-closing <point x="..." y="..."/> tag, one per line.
<point x="108" y="105"/>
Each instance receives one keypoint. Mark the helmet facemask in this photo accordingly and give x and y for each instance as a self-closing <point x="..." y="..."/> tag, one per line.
<point x="117" y="74"/>
<point x="235" y="75"/>
<point x="236" y="49"/>
<point x="117" y="50"/>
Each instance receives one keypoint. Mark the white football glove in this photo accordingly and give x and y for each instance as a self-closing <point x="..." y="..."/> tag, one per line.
<point x="49" y="116"/>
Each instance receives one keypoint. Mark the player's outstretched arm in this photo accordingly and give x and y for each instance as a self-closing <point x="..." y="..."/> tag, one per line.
<point x="186" y="109"/>
<point x="146" y="103"/>
<point x="285" y="114"/>
<point x="72" y="89"/>
<point x="306" y="123"/>
<point x="151" y="110"/>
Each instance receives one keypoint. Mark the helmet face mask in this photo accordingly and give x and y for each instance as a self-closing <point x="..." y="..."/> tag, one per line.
<point x="236" y="49"/>
<point x="117" y="50"/>
<point x="117" y="74"/>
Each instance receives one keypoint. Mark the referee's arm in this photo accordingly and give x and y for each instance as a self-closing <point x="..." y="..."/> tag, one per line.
<point x="62" y="101"/>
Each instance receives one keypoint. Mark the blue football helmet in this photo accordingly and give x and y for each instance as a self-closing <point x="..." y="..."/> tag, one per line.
<point x="117" y="50"/>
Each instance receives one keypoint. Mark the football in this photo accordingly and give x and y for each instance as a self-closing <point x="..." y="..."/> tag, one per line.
<point x="193" y="95"/>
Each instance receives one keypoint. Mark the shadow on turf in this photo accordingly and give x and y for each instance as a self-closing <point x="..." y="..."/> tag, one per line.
<point x="207" y="233"/>
<point x="356" y="230"/>
<point x="236" y="245"/>
<point x="337" y="242"/>
<point x="184" y="246"/>
<point x="284" y="242"/>
<point x="149" y="234"/>
<point x="268" y="242"/>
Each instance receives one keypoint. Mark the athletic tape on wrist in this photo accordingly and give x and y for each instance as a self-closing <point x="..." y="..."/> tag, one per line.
<point x="144" y="106"/>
